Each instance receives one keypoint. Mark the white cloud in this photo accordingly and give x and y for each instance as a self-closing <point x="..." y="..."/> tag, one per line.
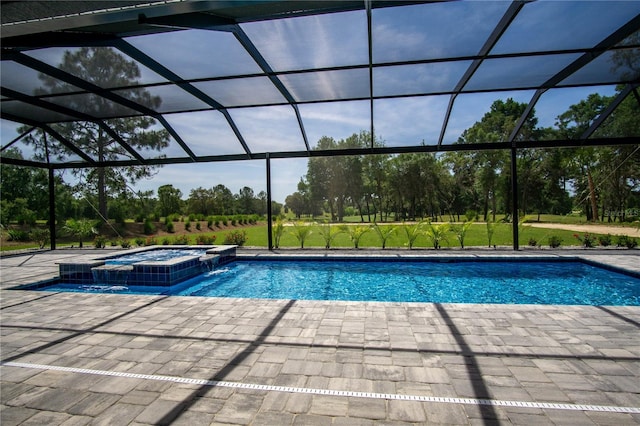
<point x="409" y="121"/>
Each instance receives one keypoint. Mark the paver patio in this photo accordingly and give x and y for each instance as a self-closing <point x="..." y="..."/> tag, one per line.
<point x="72" y="358"/>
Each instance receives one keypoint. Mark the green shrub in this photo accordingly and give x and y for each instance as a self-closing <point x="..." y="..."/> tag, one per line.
<point x="555" y="241"/>
<point x="198" y="226"/>
<point x="151" y="241"/>
<point x="41" y="236"/>
<point x="210" y="223"/>
<point x="100" y="241"/>
<point x="204" y="239"/>
<point x="181" y="239"/>
<point x="233" y="222"/>
<point x="148" y="227"/>
<point x="17" y="235"/>
<point x="217" y="223"/>
<point x="587" y="239"/>
<point x="166" y="241"/>
<point x="113" y="243"/>
<point x="171" y="228"/>
<point x="187" y="226"/>
<point x="139" y="241"/>
<point x="471" y="215"/>
<point x="533" y="242"/>
<point x="225" y="221"/>
<point x="192" y="217"/>
<point x="125" y="244"/>
<point x="626" y="241"/>
<point x="236" y="238"/>
<point x="605" y="240"/>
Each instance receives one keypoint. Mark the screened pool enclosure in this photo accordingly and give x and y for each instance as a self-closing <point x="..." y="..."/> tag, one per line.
<point x="235" y="65"/>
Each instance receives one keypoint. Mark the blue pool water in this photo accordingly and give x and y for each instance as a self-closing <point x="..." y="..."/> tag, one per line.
<point x="513" y="282"/>
<point x="153" y="255"/>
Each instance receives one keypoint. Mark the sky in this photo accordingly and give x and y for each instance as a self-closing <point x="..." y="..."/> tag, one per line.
<point x="333" y="40"/>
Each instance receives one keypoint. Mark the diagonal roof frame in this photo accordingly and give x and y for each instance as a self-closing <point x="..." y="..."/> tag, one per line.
<point x="74" y="113"/>
<point x="613" y="39"/>
<point x="61" y="75"/>
<point x="508" y="17"/>
<point x="154" y="65"/>
<point x="212" y="22"/>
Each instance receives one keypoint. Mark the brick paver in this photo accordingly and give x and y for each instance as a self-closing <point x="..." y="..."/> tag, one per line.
<point x="556" y="354"/>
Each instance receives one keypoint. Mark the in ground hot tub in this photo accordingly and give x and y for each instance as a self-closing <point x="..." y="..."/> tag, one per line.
<point x="155" y="266"/>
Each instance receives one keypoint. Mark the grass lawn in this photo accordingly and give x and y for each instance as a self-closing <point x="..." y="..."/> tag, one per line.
<point x="476" y="237"/>
<point x="257" y="237"/>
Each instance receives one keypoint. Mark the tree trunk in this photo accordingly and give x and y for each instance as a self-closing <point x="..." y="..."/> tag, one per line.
<point x="102" y="196"/>
<point x="486" y="206"/>
<point x="102" y="193"/>
<point x="592" y="196"/>
<point x="495" y="206"/>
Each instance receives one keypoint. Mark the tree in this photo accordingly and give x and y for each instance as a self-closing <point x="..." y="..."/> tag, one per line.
<point x="200" y="201"/>
<point x="103" y="67"/>
<point x="571" y="125"/>
<point x="375" y="178"/>
<point x="223" y="201"/>
<point x="82" y="229"/>
<point x="337" y="180"/>
<point x="30" y="185"/>
<point x="245" y="200"/>
<point x="295" y="203"/>
<point x="415" y="185"/>
<point x="169" y="200"/>
<point x="492" y="175"/>
<point x="260" y="204"/>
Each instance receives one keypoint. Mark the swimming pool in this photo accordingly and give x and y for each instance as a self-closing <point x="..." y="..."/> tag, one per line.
<point x="505" y="282"/>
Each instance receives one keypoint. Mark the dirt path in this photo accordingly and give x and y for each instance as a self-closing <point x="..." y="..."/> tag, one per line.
<point x="597" y="229"/>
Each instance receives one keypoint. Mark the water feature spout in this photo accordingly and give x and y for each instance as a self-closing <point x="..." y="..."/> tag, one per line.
<point x="113" y="275"/>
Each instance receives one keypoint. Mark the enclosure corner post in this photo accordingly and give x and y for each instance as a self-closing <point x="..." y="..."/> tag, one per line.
<point x="52" y="208"/>
<point x="514" y="195"/>
<point x="269" y="210"/>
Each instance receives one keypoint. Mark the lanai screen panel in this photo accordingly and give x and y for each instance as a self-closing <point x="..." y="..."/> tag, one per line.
<point x="240" y="80"/>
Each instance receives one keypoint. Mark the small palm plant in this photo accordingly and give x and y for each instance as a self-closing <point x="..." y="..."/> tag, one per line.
<point x="278" y="231"/>
<point x="82" y="229"/>
<point x="412" y="231"/>
<point x="329" y="233"/>
<point x="384" y="233"/>
<point x="356" y="233"/>
<point x="460" y="231"/>
<point x="437" y="234"/>
<point x="301" y="231"/>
